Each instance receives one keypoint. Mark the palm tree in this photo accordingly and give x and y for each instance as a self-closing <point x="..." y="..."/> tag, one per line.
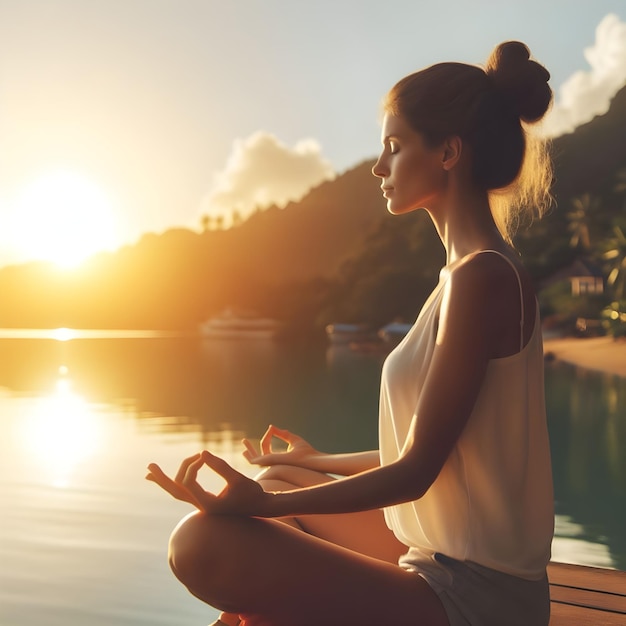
<point x="620" y="184"/>
<point x="620" y="188"/>
<point x="579" y="221"/>
<point x="235" y="218"/>
<point x="616" y="262"/>
<point x="205" y="222"/>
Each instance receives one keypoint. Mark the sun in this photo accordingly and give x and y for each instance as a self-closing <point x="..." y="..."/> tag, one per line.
<point x="63" y="217"/>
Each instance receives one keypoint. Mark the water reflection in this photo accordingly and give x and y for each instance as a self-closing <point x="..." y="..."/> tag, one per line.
<point x="571" y="546"/>
<point x="210" y="382"/>
<point x="93" y="552"/>
<point x="587" y="420"/>
<point x="60" y="431"/>
<point x="211" y="393"/>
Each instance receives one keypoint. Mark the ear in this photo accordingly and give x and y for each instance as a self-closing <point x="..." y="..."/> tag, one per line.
<point x="452" y="150"/>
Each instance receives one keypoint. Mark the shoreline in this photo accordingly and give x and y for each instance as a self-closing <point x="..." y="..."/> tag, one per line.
<point x="603" y="354"/>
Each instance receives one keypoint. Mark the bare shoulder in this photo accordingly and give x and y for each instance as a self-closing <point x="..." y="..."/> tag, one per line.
<point x="486" y="274"/>
<point x="484" y="291"/>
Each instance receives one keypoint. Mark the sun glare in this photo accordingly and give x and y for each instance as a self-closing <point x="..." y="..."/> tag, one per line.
<point x="63" y="217"/>
<point x="63" y="334"/>
<point x="61" y="432"/>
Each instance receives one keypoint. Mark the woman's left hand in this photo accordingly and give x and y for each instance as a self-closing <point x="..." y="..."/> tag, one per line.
<point x="240" y="496"/>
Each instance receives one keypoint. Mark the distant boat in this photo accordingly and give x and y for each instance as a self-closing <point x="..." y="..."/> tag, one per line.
<point x="348" y="333"/>
<point x="394" y="333"/>
<point x="231" y="325"/>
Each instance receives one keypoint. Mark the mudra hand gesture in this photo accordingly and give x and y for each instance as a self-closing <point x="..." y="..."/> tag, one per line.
<point x="298" y="450"/>
<point x="240" y="495"/>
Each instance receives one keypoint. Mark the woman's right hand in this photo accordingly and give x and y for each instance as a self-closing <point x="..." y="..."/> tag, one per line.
<point x="297" y="453"/>
<point x="240" y="496"/>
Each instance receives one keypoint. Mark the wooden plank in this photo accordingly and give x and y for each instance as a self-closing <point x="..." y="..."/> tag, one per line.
<point x="584" y="577"/>
<point x="595" y="599"/>
<point x="586" y="596"/>
<point x="567" y="615"/>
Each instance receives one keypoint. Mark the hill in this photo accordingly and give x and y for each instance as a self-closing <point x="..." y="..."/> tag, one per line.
<point x="587" y="160"/>
<point x="311" y="237"/>
<point x="335" y="254"/>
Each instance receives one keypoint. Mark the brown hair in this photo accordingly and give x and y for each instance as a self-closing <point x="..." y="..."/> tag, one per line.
<point x="491" y="110"/>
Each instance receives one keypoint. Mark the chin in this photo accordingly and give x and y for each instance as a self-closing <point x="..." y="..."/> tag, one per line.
<point x="402" y="210"/>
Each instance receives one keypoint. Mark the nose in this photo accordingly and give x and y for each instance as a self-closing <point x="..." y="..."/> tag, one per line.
<point x="380" y="169"/>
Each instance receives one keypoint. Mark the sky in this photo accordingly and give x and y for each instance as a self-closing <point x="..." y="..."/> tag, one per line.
<point x="121" y="117"/>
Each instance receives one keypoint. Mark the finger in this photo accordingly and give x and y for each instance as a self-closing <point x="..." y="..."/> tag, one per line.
<point x="175" y="490"/>
<point x="182" y="470"/>
<point x="191" y="469"/>
<point x="251" y="458"/>
<point x="251" y="454"/>
<point x="257" y="459"/>
<point x="250" y="447"/>
<point x="280" y="433"/>
<point x="218" y="465"/>
<point x="266" y="440"/>
<point x="286" y="435"/>
<point x="156" y="475"/>
<point x="203" y="499"/>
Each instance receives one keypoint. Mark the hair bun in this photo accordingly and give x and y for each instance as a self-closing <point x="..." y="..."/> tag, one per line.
<point x="522" y="82"/>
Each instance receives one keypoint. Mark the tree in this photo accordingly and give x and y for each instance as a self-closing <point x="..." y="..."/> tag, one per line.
<point x="620" y="189"/>
<point x="580" y="219"/>
<point x="235" y="218"/>
<point x="620" y="184"/>
<point x="616" y="262"/>
<point x="205" y="222"/>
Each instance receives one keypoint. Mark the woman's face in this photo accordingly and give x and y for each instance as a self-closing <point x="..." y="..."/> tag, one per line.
<point x="412" y="173"/>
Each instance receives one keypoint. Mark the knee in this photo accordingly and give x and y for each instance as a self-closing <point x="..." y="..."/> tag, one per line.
<point x="193" y="549"/>
<point x="205" y="555"/>
<point x="179" y="553"/>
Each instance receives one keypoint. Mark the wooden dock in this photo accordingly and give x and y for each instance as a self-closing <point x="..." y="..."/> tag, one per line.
<point x="586" y="596"/>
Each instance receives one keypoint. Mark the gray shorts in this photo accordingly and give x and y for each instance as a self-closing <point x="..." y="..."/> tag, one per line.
<point x="474" y="595"/>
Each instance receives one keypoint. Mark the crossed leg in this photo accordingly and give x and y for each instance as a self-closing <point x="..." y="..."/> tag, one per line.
<point x="340" y="571"/>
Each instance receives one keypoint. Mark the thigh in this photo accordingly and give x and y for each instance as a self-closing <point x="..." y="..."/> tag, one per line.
<point x="272" y="574"/>
<point x="365" y="532"/>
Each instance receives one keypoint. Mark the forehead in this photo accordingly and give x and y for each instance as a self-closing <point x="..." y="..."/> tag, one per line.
<point x="395" y="126"/>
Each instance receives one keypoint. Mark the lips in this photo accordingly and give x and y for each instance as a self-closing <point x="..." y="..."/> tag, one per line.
<point x="386" y="190"/>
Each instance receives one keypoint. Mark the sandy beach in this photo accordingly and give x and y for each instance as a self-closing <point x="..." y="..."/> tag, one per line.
<point x="597" y="353"/>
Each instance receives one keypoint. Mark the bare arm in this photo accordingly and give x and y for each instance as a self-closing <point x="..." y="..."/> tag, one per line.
<point x="300" y="453"/>
<point x="346" y="464"/>
<point x="463" y="349"/>
<point x="469" y="324"/>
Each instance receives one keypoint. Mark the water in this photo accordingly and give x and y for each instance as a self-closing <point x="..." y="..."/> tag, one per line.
<point x="587" y="420"/>
<point x="83" y="536"/>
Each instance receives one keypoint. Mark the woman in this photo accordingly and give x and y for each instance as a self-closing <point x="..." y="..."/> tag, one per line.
<point x="451" y="522"/>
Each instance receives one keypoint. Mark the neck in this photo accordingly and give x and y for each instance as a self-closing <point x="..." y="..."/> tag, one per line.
<point x="465" y="224"/>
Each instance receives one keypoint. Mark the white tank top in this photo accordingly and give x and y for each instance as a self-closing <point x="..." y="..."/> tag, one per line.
<point x="492" y="502"/>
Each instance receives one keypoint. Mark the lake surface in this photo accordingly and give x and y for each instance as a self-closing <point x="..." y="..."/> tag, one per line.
<point x="83" y="536"/>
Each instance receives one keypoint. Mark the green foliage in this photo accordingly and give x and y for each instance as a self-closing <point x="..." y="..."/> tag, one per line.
<point x="580" y="219"/>
<point x="615" y="258"/>
<point x="560" y="309"/>
<point x="615" y="318"/>
<point x="589" y="195"/>
<point x="390" y="275"/>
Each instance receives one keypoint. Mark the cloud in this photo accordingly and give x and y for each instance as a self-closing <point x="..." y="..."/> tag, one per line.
<point x="586" y="94"/>
<point x="261" y="171"/>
